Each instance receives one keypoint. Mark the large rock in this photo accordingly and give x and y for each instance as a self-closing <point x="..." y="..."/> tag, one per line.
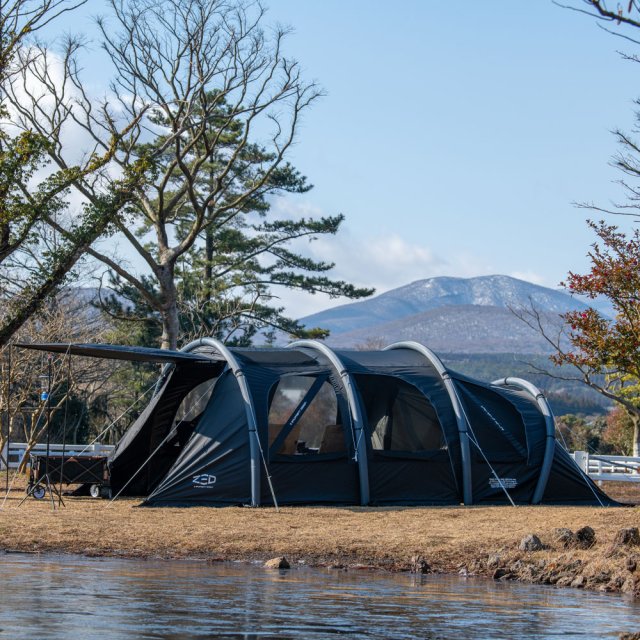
<point x="565" y="537"/>
<point x="531" y="543"/>
<point x="627" y="537"/>
<point x="586" y="538"/>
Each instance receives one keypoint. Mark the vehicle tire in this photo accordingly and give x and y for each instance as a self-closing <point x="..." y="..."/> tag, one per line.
<point x="94" y="490"/>
<point x="39" y="491"/>
<point x="105" y="492"/>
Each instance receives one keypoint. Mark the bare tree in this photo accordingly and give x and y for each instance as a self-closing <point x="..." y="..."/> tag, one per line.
<point x="217" y="106"/>
<point x="626" y="13"/>
<point x="24" y="373"/>
<point x="21" y="19"/>
<point x="26" y="199"/>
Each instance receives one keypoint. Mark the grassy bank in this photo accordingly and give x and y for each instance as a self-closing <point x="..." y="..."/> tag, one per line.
<point x="468" y="540"/>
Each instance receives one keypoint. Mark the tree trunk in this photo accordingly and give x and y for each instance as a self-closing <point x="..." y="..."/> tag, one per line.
<point x="22" y="468"/>
<point x="636" y="435"/>
<point x="169" y="295"/>
<point x="208" y="264"/>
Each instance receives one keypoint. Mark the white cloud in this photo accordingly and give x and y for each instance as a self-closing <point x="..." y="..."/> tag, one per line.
<point x="375" y="260"/>
<point x="533" y="277"/>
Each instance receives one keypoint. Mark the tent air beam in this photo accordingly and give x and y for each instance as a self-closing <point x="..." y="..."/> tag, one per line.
<point x="254" y="442"/>
<point x="467" y="490"/>
<point x="354" y="408"/>
<point x="550" y="442"/>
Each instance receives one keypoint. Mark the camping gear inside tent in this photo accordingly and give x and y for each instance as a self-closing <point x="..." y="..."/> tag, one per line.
<point x="309" y="425"/>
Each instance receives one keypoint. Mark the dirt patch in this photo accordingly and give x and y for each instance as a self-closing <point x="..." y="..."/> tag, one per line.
<point x="468" y="540"/>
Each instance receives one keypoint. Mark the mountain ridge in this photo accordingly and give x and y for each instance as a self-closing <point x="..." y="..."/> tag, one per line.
<point x="448" y="314"/>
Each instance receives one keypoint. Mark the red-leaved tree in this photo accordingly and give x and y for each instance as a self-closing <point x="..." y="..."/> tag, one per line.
<point x="606" y="351"/>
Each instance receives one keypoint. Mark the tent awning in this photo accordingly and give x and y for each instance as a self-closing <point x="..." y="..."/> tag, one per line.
<point x="120" y="352"/>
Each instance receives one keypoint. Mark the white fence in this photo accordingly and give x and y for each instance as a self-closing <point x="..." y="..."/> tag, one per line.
<point x="616" y="468"/>
<point x="17" y="450"/>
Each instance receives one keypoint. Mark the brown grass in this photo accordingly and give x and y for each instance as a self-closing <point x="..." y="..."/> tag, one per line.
<point x="623" y="491"/>
<point x="449" y="538"/>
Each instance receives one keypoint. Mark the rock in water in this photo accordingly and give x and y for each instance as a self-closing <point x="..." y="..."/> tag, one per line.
<point x="419" y="565"/>
<point x="531" y="543"/>
<point x="277" y="563"/>
<point x="578" y="582"/>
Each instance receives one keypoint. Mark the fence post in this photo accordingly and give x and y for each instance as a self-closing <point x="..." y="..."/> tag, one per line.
<point x="582" y="460"/>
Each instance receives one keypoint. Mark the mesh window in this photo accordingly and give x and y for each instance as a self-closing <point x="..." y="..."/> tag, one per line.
<point x="317" y="427"/>
<point x="195" y="402"/>
<point x="400" y="417"/>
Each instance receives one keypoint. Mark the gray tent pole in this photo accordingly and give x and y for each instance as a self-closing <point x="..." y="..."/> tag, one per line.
<point x="254" y="444"/>
<point x="354" y="408"/>
<point x="550" y="425"/>
<point x="467" y="487"/>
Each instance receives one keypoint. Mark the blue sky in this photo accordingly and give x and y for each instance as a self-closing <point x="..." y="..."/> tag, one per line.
<point x="454" y="136"/>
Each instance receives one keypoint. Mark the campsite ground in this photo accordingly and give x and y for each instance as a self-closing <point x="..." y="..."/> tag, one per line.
<point x="481" y="540"/>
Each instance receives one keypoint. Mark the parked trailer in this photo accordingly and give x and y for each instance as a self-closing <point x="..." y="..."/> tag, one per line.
<point x="17" y="451"/>
<point x="89" y="470"/>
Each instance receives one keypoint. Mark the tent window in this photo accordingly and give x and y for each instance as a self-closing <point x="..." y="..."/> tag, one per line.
<point x="195" y="402"/>
<point x="303" y="418"/>
<point x="400" y="417"/>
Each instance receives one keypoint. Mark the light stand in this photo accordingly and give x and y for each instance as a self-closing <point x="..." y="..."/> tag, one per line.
<point x="7" y="405"/>
<point x="43" y="483"/>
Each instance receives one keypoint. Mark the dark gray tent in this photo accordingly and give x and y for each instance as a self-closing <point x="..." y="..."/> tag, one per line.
<point x="308" y="425"/>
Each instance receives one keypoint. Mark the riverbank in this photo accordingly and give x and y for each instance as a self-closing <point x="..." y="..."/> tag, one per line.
<point x="482" y="540"/>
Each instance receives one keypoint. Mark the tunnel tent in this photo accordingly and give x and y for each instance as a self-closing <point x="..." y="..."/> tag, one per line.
<point x="309" y="425"/>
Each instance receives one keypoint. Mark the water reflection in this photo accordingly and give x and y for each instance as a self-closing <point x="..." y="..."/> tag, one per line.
<point x="71" y="597"/>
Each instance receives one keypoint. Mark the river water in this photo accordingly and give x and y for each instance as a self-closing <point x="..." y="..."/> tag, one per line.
<point x="51" y="597"/>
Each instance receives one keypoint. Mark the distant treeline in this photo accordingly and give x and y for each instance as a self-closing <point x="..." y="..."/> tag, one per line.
<point x="565" y="396"/>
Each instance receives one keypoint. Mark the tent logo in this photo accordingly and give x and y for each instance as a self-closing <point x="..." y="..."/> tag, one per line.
<point x="503" y="483"/>
<point x="204" y="480"/>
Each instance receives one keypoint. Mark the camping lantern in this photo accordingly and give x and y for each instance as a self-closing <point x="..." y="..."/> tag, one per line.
<point x="44" y="387"/>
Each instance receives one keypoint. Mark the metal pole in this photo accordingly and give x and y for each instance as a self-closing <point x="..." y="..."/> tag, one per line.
<point x="48" y="413"/>
<point x="64" y="427"/>
<point x="8" y="387"/>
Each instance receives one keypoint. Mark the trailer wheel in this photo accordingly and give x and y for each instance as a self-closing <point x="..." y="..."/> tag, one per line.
<point x="39" y="491"/>
<point x="94" y="490"/>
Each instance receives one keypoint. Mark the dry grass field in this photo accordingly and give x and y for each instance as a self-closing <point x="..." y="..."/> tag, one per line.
<point x="476" y="540"/>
